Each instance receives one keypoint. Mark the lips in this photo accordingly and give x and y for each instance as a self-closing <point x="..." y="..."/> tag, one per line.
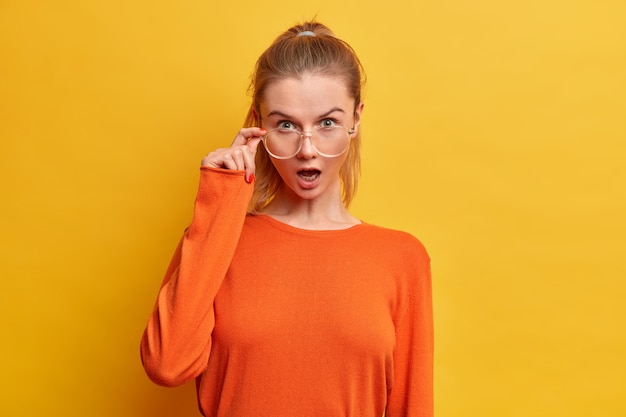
<point x="309" y="175"/>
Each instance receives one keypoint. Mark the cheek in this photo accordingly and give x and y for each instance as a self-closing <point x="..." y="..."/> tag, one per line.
<point x="341" y="161"/>
<point x="281" y="166"/>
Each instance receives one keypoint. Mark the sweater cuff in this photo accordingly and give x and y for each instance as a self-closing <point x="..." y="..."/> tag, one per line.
<point x="222" y="194"/>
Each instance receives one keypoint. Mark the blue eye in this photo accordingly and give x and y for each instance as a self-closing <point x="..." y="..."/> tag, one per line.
<point x="286" y="125"/>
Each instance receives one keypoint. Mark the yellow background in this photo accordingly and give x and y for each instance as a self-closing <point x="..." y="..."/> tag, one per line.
<point x="494" y="131"/>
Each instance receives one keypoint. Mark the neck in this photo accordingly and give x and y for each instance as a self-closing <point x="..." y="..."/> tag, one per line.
<point x="322" y="213"/>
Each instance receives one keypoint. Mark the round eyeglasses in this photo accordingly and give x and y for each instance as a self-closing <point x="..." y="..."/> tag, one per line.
<point x="328" y="141"/>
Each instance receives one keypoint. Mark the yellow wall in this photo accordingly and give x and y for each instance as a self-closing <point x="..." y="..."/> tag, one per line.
<point x="494" y="131"/>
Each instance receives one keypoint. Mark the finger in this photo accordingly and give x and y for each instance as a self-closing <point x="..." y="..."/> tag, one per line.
<point x="214" y="159"/>
<point x="254" y="143"/>
<point x="229" y="163"/>
<point x="237" y="154"/>
<point x="250" y="166"/>
<point x="247" y="133"/>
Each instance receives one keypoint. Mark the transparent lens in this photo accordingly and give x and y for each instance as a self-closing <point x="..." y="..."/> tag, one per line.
<point x="331" y="141"/>
<point x="282" y="143"/>
<point x="327" y="141"/>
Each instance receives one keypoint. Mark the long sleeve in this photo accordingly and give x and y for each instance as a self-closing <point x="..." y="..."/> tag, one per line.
<point x="412" y="392"/>
<point x="177" y="340"/>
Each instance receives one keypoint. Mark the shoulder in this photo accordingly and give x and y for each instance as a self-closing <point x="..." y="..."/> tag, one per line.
<point x="400" y="251"/>
<point x="397" y="239"/>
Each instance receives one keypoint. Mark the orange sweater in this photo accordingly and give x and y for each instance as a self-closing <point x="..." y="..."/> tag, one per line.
<point x="273" y="320"/>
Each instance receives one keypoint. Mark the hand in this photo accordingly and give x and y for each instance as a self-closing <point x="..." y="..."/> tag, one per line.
<point x="240" y="155"/>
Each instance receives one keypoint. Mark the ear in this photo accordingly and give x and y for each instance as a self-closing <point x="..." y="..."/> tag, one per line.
<point x="357" y="116"/>
<point x="255" y="116"/>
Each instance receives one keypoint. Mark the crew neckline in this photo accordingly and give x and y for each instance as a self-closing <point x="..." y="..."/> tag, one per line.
<point x="289" y="228"/>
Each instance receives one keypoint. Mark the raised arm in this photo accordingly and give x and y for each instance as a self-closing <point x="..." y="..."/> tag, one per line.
<point x="177" y="340"/>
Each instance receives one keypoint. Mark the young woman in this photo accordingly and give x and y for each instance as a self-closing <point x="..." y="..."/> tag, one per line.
<point x="278" y="301"/>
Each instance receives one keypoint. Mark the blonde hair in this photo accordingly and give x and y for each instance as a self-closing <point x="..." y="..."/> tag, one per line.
<point x="303" y="49"/>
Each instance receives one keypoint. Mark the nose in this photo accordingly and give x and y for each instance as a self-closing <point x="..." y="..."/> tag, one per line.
<point x="307" y="150"/>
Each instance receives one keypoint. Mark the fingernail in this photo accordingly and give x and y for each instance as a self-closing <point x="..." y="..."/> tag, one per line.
<point x="250" y="179"/>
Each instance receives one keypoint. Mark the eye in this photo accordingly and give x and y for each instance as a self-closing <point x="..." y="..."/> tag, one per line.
<point x="328" y="123"/>
<point x="286" y="125"/>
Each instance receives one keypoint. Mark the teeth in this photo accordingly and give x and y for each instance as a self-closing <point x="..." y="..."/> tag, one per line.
<point x="309" y="175"/>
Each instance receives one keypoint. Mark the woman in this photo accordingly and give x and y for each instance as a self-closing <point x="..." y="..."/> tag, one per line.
<point x="278" y="301"/>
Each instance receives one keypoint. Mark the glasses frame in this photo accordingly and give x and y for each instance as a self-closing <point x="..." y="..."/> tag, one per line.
<point x="309" y="134"/>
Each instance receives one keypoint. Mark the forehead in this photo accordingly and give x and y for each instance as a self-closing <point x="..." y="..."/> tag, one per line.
<point x="311" y="94"/>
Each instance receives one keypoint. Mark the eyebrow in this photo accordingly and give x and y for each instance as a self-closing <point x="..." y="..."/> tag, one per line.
<point x="287" y="116"/>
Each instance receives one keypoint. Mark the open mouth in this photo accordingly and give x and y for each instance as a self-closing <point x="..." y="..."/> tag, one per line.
<point x="309" y="174"/>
